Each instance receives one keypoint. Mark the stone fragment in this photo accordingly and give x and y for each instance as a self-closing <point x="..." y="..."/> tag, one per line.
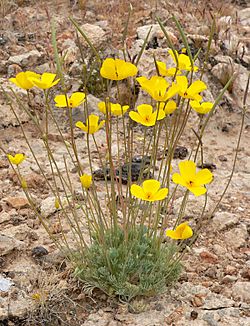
<point x="4" y="217"/>
<point x="5" y="284"/>
<point x="39" y="251"/>
<point x="97" y="36"/>
<point x="241" y="291"/>
<point x="17" y="202"/>
<point x="224" y="220"/>
<point x="236" y="238"/>
<point x="8" y="244"/>
<point x="28" y="59"/>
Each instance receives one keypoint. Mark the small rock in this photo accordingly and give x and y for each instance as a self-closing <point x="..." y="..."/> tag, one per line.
<point x="17" y="202"/>
<point x="97" y="36"/>
<point x="48" y="206"/>
<point x="39" y="252"/>
<point x="241" y="291"/>
<point x="4" y="217"/>
<point x="8" y="244"/>
<point x="29" y="59"/>
<point x="236" y="238"/>
<point x="224" y="220"/>
<point x="222" y="158"/>
<point x="197" y="301"/>
<point x="229" y="279"/>
<point x="5" y="284"/>
<point x="208" y="257"/>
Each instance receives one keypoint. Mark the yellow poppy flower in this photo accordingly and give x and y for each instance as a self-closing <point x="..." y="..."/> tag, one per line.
<point x="92" y="124"/>
<point x="146" y="116"/>
<point x="22" y="79"/>
<point x="44" y="81"/>
<point x="63" y="101"/>
<point x="163" y="71"/>
<point x="17" y="159"/>
<point x="182" y="231"/>
<point x="114" y="108"/>
<point x="158" y="88"/>
<point x="201" y="108"/>
<point x="184" y="62"/>
<point x="150" y="191"/>
<point x="193" y="181"/>
<point x="168" y="107"/>
<point x="116" y="69"/>
<point x="86" y="181"/>
<point x="192" y="91"/>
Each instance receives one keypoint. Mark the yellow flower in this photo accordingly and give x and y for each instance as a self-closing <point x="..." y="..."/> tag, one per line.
<point x="44" y="81"/>
<point x="86" y="181"/>
<point x="201" y="108"/>
<point x="115" y="109"/>
<point x="184" y="62"/>
<point x="182" y="231"/>
<point x="158" y="88"/>
<point x="63" y="101"/>
<point x="116" y="69"/>
<point x="150" y="191"/>
<point x="192" y="91"/>
<point x="163" y="71"/>
<point x="193" y="181"/>
<point x="24" y="183"/>
<point x="17" y="159"/>
<point x="168" y="107"/>
<point x="146" y="116"/>
<point x="92" y="124"/>
<point x="22" y="79"/>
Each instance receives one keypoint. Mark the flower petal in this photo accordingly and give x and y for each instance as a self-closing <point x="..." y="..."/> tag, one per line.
<point x="137" y="191"/>
<point x="197" y="191"/>
<point x="196" y="87"/>
<point x="203" y="177"/>
<point x="61" y="101"/>
<point x="187" y="169"/>
<point x="161" y="194"/>
<point x="151" y="186"/>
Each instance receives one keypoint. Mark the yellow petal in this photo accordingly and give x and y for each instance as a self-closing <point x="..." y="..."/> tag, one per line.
<point x="182" y="82"/>
<point x="61" y="101"/>
<point x="151" y="185"/>
<point x="145" y="109"/>
<point x="172" y="234"/>
<point x="161" y="68"/>
<point x="197" y="87"/>
<point x="187" y="169"/>
<point x="184" y="231"/>
<point x="161" y="194"/>
<point x="137" y="191"/>
<point x="170" y="107"/>
<point x="203" y="177"/>
<point x="77" y="98"/>
<point x="198" y="191"/>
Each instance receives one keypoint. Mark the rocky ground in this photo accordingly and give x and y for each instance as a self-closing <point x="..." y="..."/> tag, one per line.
<point x="214" y="288"/>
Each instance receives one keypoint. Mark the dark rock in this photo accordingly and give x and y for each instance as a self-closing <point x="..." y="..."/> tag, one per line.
<point x="39" y="251"/>
<point x="180" y="152"/>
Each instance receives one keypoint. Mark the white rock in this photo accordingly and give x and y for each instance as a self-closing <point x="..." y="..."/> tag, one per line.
<point x="8" y="244"/>
<point x="28" y="59"/>
<point x="241" y="290"/>
<point x="5" y="284"/>
<point x="223" y="220"/>
<point x="97" y="36"/>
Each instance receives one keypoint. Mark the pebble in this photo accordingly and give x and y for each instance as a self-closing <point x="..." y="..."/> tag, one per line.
<point x="39" y="251"/>
<point x="17" y="202"/>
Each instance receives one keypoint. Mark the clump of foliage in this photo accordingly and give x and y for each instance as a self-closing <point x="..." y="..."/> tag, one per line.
<point x="138" y="265"/>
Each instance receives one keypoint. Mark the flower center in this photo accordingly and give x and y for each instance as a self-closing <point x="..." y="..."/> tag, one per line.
<point x="190" y="183"/>
<point x="185" y="94"/>
<point x="148" y="195"/>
